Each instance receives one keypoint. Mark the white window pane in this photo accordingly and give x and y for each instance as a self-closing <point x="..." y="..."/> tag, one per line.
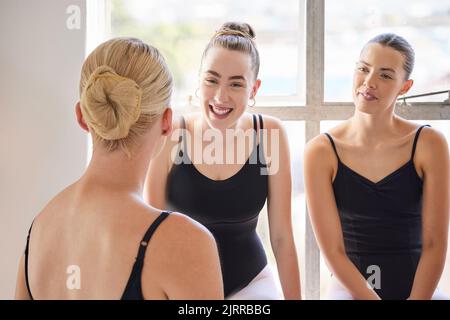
<point x="181" y="32"/>
<point x="349" y="24"/>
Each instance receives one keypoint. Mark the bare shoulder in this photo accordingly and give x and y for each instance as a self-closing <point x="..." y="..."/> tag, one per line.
<point x="431" y="146"/>
<point x="432" y="138"/>
<point x="431" y="157"/>
<point x="182" y="224"/>
<point x="186" y="260"/>
<point x="54" y="207"/>
<point x="181" y="230"/>
<point x="275" y="132"/>
<point x="178" y="237"/>
<point x="185" y="248"/>
<point x="319" y="148"/>
<point x="271" y="122"/>
<point x="320" y="158"/>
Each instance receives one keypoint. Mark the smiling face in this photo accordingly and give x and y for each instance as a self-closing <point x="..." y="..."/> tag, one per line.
<point x="379" y="79"/>
<point x="227" y="82"/>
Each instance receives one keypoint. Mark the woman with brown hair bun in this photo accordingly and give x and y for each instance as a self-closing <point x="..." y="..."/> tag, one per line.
<point x="226" y="190"/>
<point x="377" y="187"/>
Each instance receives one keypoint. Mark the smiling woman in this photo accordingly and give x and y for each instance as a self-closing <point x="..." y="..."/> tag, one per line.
<point x="228" y="198"/>
<point x="377" y="79"/>
<point x="233" y="90"/>
<point x="377" y="187"/>
<point x="228" y="75"/>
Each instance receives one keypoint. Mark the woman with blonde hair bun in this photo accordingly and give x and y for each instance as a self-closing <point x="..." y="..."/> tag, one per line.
<point x="98" y="239"/>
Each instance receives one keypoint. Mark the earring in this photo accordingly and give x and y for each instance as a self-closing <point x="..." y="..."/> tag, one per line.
<point x="196" y="93"/>
<point x="254" y="102"/>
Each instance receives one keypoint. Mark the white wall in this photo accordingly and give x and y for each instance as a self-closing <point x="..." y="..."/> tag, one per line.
<point x="42" y="148"/>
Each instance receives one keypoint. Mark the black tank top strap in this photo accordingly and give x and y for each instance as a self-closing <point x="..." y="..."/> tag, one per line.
<point x="149" y="234"/>
<point x="255" y="130"/>
<point x="26" y="262"/>
<point x="261" y="157"/>
<point x="133" y="290"/>
<point x="255" y="123"/>
<point x="261" y="122"/>
<point x="261" y="129"/>
<point x="416" y="138"/>
<point x="333" y="145"/>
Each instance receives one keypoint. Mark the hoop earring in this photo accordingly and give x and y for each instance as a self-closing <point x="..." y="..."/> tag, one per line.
<point x="254" y="102"/>
<point x="196" y="93"/>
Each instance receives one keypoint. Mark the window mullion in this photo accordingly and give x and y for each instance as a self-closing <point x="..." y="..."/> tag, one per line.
<point x="315" y="32"/>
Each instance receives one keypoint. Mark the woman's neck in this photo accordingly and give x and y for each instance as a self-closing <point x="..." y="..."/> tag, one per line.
<point x="372" y="128"/>
<point x="116" y="171"/>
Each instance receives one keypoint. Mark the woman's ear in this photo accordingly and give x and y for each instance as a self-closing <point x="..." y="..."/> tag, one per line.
<point x="408" y="84"/>
<point x="255" y="88"/>
<point x="166" y="125"/>
<point x="80" y="119"/>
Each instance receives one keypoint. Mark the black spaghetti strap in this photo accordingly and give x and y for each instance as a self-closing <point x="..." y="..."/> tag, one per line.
<point x="416" y="138"/>
<point x="255" y="131"/>
<point x="253" y="159"/>
<point x="133" y="289"/>
<point x="261" y="128"/>
<point x="262" y="159"/>
<point x="26" y="262"/>
<point x="261" y="122"/>
<point x="333" y="144"/>
<point x="149" y="234"/>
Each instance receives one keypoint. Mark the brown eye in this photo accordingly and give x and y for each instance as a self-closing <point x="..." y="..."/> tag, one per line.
<point x="363" y="69"/>
<point x="211" y="81"/>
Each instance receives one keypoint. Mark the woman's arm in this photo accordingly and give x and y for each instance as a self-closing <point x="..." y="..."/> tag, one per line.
<point x="433" y="159"/>
<point x="318" y="172"/>
<point x="279" y="209"/>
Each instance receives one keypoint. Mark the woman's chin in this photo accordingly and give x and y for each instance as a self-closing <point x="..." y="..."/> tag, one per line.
<point x="363" y="108"/>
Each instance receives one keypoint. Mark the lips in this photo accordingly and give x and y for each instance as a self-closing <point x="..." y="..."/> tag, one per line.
<point x="367" y="96"/>
<point x="220" y="111"/>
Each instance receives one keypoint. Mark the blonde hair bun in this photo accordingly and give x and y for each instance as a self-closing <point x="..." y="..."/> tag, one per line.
<point x="110" y="103"/>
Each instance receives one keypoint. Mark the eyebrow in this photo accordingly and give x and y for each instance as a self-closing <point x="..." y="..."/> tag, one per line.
<point x="382" y="69"/>
<point x="214" y="73"/>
